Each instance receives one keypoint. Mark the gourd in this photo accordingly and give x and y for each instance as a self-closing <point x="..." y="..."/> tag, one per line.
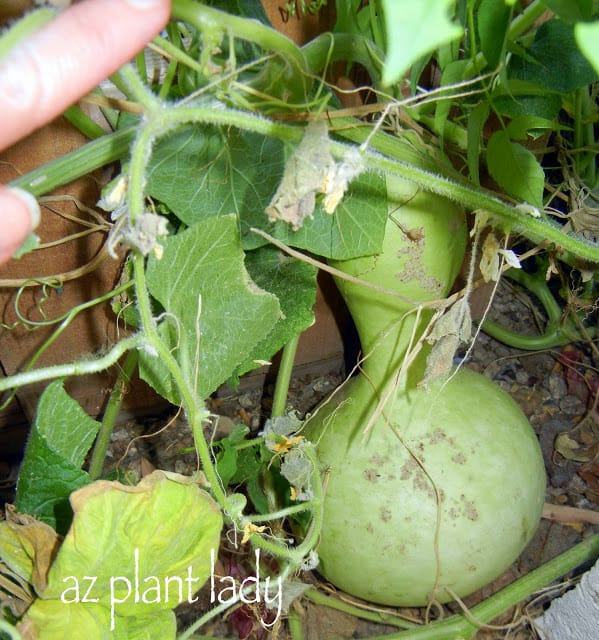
<point x="445" y="489"/>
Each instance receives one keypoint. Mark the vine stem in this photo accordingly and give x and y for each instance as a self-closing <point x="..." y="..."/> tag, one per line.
<point x="80" y="368"/>
<point x="208" y="19"/>
<point x="279" y="403"/>
<point x="514" y="218"/>
<point x="64" y="323"/>
<point x="112" y="408"/>
<point x="195" y="414"/>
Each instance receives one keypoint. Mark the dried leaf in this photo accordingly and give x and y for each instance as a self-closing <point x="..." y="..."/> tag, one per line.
<point x="511" y="258"/>
<point x="312" y="170"/>
<point x="304" y="177"/>
<point x="489" y="262"/>
<point x="453" y="328"/>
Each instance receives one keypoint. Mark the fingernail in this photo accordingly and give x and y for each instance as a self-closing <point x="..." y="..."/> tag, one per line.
<point x="30" y="202"/>
<point x="145" y="4"/>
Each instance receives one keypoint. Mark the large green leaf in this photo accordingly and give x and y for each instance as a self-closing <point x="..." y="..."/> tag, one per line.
<point x="414" y="29"/>
<point x="131" y="555"/>
<point x="201" y="173"/>
<point x="493" y="20"/>
<point x="214" y="314"/>
<point x="515" y="169"/>
<point x="61" y="436"/>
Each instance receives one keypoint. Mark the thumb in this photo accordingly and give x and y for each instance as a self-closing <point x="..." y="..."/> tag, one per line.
<point x="19" y="215"/>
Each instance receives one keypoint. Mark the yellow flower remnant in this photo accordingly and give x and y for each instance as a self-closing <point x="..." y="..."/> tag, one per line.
<point x="248" y="529"/>
<point x="284" y="444"/>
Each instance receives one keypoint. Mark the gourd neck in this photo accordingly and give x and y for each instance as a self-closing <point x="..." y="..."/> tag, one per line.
<point x="388" y="336"/>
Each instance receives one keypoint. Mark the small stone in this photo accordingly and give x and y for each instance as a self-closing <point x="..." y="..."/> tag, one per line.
<point x="556" y="385"/>
<point x="246" y="401"/>
<point x="571" y="406"/>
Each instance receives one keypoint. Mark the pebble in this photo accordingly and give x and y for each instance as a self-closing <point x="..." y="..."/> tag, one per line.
<point x="572" y="406"/>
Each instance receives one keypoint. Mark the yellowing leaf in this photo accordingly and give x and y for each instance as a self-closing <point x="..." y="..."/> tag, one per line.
<point x="27" y="547"/>
<point x="453" y="328"/>
<point x="132" y="553"/>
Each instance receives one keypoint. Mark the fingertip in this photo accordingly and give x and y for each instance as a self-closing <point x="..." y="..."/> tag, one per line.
<point x="148" y="4"/>
<point x="19" y="215"/>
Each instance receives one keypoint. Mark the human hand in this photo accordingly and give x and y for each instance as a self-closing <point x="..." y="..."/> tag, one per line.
<point x="52" y="69"/>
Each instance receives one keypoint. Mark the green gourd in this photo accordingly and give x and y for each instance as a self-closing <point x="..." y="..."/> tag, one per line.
<point x="446" y="488"/>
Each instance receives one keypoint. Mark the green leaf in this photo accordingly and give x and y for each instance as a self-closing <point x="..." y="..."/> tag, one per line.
<point x="557" y="62"/>
<point x="202" y="172"/>
<point x="515" y="169"/>
<point x="206" y="173"/>
<point x="520" y="127"/>
<point x="414" y="29"/>
<point x="214" y="314"/>
<point x="493" y="20"/>
<point x="61" y="436"/>
<point x="476" y="122"/>
<point x="294" y="284"/>
<point x="452" y="74"/>
<point x="147" y="548"/>
<point x="528" y="100"/>
<point x="587" y="37"/>
<point x="571" y="11"/>
<point x="226" y="462"/>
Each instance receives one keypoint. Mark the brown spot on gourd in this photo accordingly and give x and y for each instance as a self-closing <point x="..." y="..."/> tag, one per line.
<point x="470" y="510"/>
<point x="371" y="475"/>
<point x="459" y="458"/>
<point x="437" y="436"/>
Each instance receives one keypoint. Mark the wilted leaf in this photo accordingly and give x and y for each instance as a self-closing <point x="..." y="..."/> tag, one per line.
<point x="451" y="330"/>
<point x="297" y="470"/>
<point x="27" y="547"/>
<point x="132" y="553"/>
<point x="312" y="170"/>
<point x="304" y="177"/>
<point x="489" y="261"/>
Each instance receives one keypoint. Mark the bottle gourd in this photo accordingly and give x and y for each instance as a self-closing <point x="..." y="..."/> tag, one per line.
<point x="446" y="488"/>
